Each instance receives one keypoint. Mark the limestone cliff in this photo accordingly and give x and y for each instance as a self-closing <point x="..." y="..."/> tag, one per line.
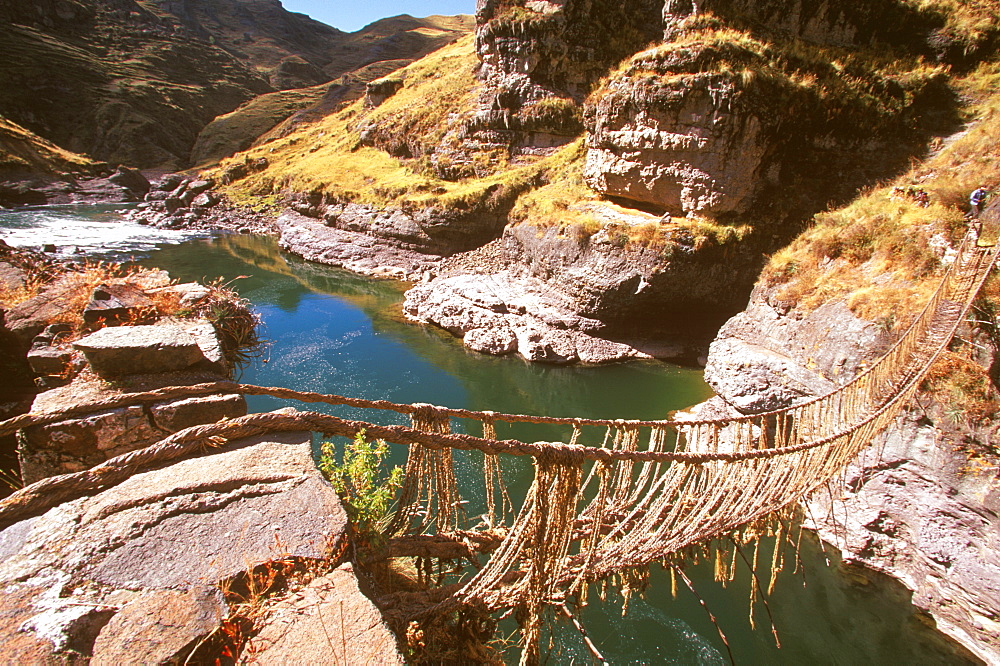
<point x="540" y="60"/>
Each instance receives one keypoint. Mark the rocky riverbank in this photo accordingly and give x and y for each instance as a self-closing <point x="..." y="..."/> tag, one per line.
<point x="176" y="558"/>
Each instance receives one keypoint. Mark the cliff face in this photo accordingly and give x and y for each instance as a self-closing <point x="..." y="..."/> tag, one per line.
<point x="921" y="503"/>
<point x="540" y="59"/>
<point x="725" y="111"/>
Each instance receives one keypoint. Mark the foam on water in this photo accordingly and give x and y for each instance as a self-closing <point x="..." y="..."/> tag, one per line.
<point x="99" y="231"/>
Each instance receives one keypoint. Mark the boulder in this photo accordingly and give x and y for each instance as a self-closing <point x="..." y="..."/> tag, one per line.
<point x="376" y="92"/>
<point x="188" y="293"/>
<point x="328" y="622"/>
<point x="115" y="303"/>
<point x="12" y="277"/>
<point x="198" y="186"/>
<point x="28" y="319"/>
<point x="53" y="334"/>
<point x="130" y="179"/>
<point x="169" y="182"/>
<point x="173" y="204"/>
<point x="206" y="200"/>
<point x="125" y="575"/>
<point x="174" y="415"/>
<point x="131" y="350"/>
<point x="208" y="341"/>
<point x="49" y="360"/>
<point x="160" y="627"/>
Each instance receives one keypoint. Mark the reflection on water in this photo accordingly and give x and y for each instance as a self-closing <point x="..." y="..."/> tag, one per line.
<point x="340" y="333"/>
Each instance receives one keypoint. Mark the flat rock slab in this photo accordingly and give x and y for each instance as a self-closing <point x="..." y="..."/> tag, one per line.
<point x="328" y="622"/>
<point x="132" y="350"/>
<point x="80" y="442"/>
<point x="114" y="302"/>
<point x="187" y="526"/>
<point x="11" y="276"/>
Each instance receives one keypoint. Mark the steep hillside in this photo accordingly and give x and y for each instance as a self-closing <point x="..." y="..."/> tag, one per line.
<point x="113" y="81"/>
<point x="135" y="82"/>
<point x="294" y="51"/>
<point x="24" y="152"/>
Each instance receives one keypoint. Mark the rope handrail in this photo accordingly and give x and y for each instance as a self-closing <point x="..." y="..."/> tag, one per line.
<point x="26" y="420"/>
<point x="633" y="507"/>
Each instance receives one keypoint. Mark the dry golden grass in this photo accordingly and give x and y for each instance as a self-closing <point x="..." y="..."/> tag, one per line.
<point x="326" y="157"/>
<point x="22" y="150"/>
<point x="876" y="252"/>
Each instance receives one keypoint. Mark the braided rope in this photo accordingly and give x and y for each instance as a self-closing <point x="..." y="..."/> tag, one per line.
<point x="721" y="476"/>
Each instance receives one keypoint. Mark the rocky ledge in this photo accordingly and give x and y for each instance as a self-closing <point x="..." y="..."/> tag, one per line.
<point x="352" y="249"/>
<point x="503" y="314"/>
<point x="914" y="505"/>
<point x="918" y="510"/>
<point x="138" y="573"/>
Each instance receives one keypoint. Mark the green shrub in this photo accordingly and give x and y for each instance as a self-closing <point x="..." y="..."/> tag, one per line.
<point x="367" y="493"/>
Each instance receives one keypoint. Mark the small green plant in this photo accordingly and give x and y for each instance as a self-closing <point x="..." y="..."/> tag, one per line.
<point x="366" y="493"/>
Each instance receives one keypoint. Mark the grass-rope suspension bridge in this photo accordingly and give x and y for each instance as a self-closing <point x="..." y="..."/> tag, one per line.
<point x="654" y="489"/>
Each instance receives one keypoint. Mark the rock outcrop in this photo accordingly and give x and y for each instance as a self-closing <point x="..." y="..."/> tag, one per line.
<point x="387" y="242"/>
<point x="913" y="505"/>
<point x="918" y="510"/>
<point x="762" y="360"/>
<point x="81" y="441"/>
<point x="557" y="297"/>
<point x="146" y="558"/>
<point x="503" y="314"/>
<point x="705" y="124"/>
<point x="685" y="146"/>
<point x="539" y="60"/>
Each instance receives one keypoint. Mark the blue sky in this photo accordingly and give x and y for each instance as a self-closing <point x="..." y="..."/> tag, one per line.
<point x="353" y="15"/>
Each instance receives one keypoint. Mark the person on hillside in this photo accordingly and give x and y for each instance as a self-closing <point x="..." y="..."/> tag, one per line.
<point x="976" y="200"/>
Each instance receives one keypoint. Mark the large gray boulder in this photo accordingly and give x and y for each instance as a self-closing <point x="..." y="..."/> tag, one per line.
<point x="502" y="313"/>
<point x="132" y="350"/>
<point x="149" y="553"/>
<point x="763" y="360"/>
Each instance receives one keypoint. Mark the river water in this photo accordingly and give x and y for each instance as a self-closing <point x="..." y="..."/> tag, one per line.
<point x="334" y="332"/>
